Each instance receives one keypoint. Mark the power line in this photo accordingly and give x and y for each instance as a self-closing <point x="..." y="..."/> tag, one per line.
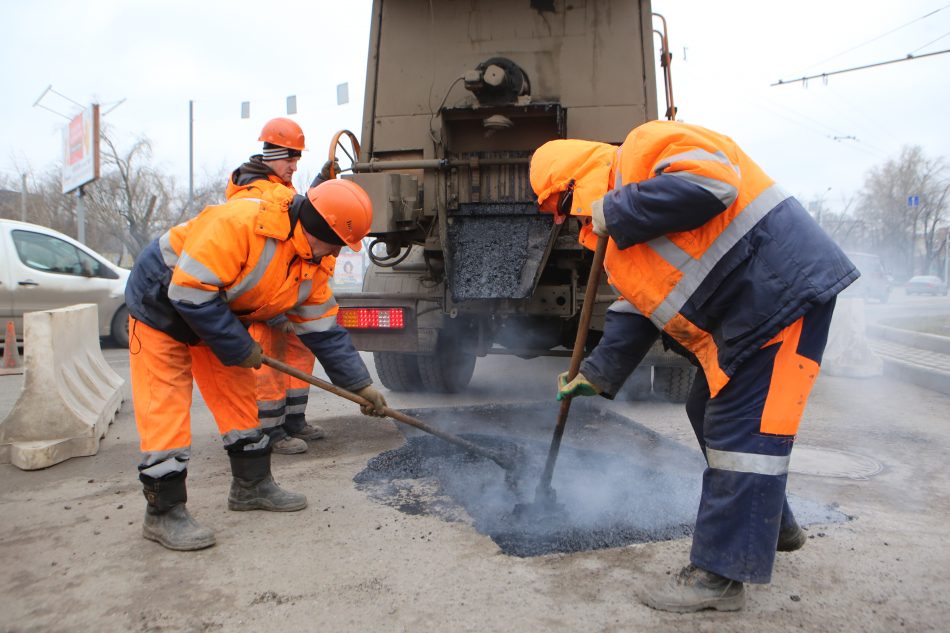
<point x="881" y="36"/>
<point x="910" y="57"/>
<point x="930" y="42"/>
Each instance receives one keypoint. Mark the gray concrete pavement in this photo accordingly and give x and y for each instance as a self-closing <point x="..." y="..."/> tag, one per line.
<point x="73" y="557"/>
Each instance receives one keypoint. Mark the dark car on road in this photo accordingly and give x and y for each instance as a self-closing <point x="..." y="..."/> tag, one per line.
<point x="926" y="285"/>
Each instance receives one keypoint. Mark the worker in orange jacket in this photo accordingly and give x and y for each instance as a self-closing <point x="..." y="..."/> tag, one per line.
<point x="281" y="399"/>
<point x="708" y="252"/>
<point x="191" y="296"/>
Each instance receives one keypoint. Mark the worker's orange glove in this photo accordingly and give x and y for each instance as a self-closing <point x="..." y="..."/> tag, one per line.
<point x="376" y="399"/>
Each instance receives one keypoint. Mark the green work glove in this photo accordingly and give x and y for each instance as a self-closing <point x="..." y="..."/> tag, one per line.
<point x="580" y="386"/>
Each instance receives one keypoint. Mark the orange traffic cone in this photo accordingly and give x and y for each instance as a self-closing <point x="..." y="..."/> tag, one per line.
<point x="11" y="354"/>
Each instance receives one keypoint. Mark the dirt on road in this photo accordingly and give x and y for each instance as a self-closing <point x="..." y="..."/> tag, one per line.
<point x="73" y="559"/>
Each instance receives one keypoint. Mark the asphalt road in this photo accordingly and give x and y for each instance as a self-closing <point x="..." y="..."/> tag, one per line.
<point x="73" y="559"/>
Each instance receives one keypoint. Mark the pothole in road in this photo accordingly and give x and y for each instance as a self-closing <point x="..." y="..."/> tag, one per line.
<point x="619" y="483"/>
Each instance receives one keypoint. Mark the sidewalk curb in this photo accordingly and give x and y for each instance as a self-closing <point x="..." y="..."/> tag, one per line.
<point x="920" y="340"/>
<point x="926" y="377"/>
<point x="920" y="375"/>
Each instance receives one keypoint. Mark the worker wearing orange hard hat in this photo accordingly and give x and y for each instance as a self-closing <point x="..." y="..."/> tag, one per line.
<point x="710" y="253"/>
<point x="281" y="399"/>
<point x="191" y="295"/>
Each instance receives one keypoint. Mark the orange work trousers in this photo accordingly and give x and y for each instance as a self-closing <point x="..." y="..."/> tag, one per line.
<point x="281" y="398"/>
<point x="162" y="371"/>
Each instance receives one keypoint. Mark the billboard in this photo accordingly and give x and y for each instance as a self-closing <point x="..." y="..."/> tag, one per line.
<point x="81" y="149"/>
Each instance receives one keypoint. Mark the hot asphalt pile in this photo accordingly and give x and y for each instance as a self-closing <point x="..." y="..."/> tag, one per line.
<point x="641" y="489"/>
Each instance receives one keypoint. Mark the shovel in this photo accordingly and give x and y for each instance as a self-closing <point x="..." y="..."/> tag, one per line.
<point x="510" y="463"/>
<point x="545" y="497"/>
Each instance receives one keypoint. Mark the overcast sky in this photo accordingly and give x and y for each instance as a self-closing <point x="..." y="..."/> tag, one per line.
<point x="818" y="141"/>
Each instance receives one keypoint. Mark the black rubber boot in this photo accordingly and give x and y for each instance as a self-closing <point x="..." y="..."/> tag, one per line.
<point x="167" y="520"/>
<point x="790" y="538"/>
<point x="253" y="487"/>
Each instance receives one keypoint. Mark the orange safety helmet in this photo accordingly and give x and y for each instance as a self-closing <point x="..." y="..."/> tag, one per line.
<point x="283" y="132"/>
<point x="346" y="208"/>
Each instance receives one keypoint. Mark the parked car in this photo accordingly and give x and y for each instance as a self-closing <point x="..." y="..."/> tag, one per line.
<point x="874" y="282"/>
<point x="42" y="269"/>
<point x="926" y="285"/>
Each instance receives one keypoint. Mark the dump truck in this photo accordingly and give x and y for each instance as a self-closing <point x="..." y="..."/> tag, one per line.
<point x="459" y="94"/>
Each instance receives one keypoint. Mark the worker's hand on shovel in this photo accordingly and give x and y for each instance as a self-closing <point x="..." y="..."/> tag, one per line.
<point x="378" y="402"/>
<point x="580" y="386"/>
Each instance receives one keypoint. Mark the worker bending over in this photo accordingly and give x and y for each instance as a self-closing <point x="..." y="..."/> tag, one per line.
<point x="707" y="251"/>
<point x="191" y="296"/>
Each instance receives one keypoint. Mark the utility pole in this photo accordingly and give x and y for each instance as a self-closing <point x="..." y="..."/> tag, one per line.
<point x="191" y="154"/>
<point x="23" y="197"/>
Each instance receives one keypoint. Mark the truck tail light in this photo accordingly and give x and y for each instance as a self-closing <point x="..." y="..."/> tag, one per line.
<point x="371" y="318"/>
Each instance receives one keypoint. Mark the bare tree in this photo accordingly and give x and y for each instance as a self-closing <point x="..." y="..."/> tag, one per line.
<point x="133" y="198"/>
<point x="895" y="227"/>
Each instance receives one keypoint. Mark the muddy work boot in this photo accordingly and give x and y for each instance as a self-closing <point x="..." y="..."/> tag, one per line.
<point x="790" y="538"/>
<point x="289" y="446"/>
<point x="694" y="589"/>
<point x="309" y="432"/>
<point x="253" y="487"/>
<point x="167" y="520"/>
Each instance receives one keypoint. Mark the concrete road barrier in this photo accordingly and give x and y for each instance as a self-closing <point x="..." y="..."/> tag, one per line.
<point x="70" y="395"/>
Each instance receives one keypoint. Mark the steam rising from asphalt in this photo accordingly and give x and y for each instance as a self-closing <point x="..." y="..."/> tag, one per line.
<point x="618" y="482"/>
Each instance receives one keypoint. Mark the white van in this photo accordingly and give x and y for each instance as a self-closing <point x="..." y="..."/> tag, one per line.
<point x="42" y="269"/>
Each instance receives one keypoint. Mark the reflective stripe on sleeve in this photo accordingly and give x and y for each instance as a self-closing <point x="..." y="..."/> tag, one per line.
<point x="724" y="192"/>
<point x="194" y="296"/>
<point x="169" y="256"/>
<point x="622" y="305"/>
<point x="317" y="325"/>
<point x="748" y="462"/>
<point x="313" y="311"/>
<point x="693" y="154"/>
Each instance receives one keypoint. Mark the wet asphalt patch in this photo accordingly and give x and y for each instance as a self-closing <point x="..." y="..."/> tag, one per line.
<point x="617" y="482"/>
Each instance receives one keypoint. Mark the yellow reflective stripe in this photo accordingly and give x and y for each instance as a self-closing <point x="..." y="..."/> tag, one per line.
<point x="694" y="271"/>
<point x="748" y="462"/>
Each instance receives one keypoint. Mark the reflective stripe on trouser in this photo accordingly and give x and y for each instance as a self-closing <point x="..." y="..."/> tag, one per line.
<point x="743" y="503"/>
<point x="281" y="399"/>
<point x="162" y="370"/>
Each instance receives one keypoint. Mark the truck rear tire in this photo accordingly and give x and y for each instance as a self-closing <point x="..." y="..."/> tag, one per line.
<point x="448" y="370"/>
<point x="398" y="372"/>
<point x="673" y="383"/>
<point x="639" y="385"/>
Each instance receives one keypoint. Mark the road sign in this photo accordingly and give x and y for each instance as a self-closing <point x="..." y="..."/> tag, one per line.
<point x="913" y="201"/>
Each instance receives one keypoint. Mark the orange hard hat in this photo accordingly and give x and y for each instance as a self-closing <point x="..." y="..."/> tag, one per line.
<point x="283" y="132"/>
<point x="346" y="208"/>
